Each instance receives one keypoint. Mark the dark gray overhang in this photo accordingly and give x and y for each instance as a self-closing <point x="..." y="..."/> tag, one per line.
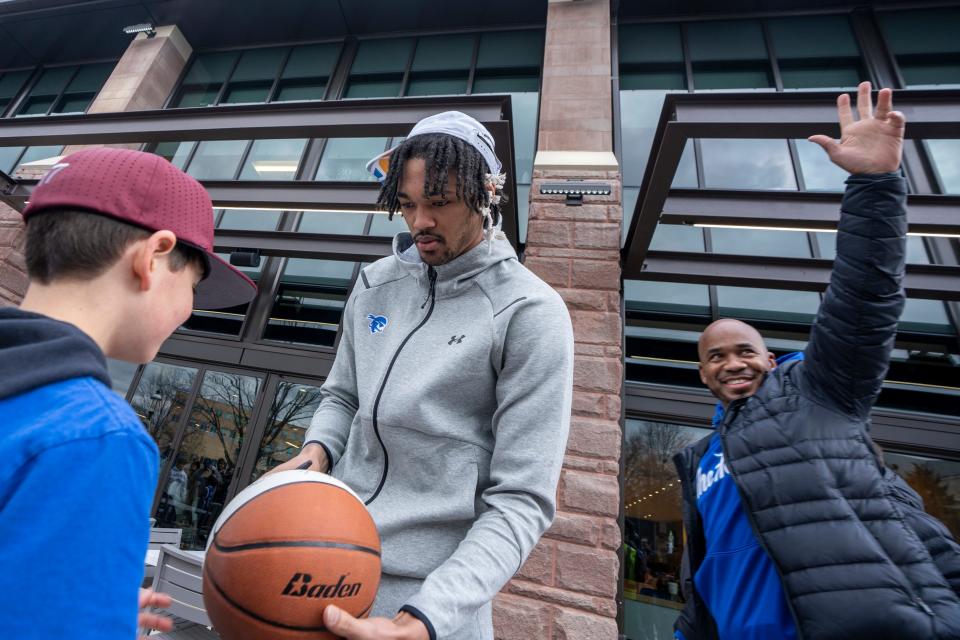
<point x="346" y="118"/>
<point x="930" y="114"/>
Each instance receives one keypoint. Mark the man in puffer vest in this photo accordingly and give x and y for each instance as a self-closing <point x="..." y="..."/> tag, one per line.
<point x="794" y="527"/>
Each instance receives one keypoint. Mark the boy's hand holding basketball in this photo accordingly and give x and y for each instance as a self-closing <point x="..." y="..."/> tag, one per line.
<point x="402" y="627"/>
<point x="312" y="454"/>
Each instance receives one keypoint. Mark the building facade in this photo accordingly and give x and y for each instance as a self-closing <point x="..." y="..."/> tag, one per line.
<point x="678" y="225"/>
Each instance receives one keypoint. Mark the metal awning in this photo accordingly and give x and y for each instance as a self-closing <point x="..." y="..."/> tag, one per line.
<point x="336" y="119"/>
<point x="930" y="115"/>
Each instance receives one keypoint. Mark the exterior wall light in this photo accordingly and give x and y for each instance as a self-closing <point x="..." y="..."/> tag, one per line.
<point x="143" y="27"/>
<point x="575" y="190"/>
<point x="245" y="257"/>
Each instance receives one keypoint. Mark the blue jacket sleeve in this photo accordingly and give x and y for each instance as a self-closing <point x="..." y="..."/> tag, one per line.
<point x="76" y="521"/>
<point x="850" y="342"/>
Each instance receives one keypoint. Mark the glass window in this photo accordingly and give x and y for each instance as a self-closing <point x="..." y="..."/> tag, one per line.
<point x="936" y="482"/>
<point x="290" y="413"/>
<point x="677" y="237"/>
<point x="651" y="58"/>
<point x="249" y="219"/>
<point x="83" y="88"/>
<point x="523" y="210"/>
<point x="273" y="159"/>
<point x="217" y="159"/>
<point x="227" y="321"/>
<point x="653" y="526"/>
<point x="307" y="72"/>
<point x="176" y="153"/>
<point x="378" y="68"/>
<point x="345" y="159"/>
<point x="666" y="297"/>
<point x="196" y="486"/>
<point x="208" y="72"/>
<point x="343" y="222"/>
<point x="729" y="55"/>
<point x="767" y="304"/>
<point x="253" y="77"/>
<point x="8" y="158"/>
<point x="32" y="154"/>
<point x="747" y="164"/>
<point x="925" y="45"/>
<point x="946" y="160"/>
<point x="310" y="301"/>
<point x="10" y="85"/>
<point x="819" y="173"/>
<point x="441" y="65"/>
<point x="160" y="399"/>
<point x="640" y="113"/>
<point x="816" y="52"/>
<point x="761" y="242"/>
<point x="46" y="90"/>
<point x="121" y="375"/>
<point x="383" y="226"/>
<point x="509" y="62"/>
<point x="925" y="316"/>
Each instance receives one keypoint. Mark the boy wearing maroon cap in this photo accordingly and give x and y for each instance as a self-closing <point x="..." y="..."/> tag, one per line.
<point x="119" y="250"/>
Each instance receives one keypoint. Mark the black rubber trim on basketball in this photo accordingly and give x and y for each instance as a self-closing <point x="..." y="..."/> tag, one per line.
<point x="329" y="484"/>
<point x="296" y="544"/>
<point x="419" y="615"/>
<point x="274" y="623"/>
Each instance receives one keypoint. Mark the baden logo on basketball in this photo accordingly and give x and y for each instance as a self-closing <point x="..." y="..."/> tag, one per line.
<point x="306" y="590"/>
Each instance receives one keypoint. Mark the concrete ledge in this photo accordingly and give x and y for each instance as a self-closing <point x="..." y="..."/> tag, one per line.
<point x="576" y="160"/>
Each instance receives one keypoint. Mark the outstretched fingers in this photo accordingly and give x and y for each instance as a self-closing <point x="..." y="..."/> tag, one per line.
<point x="884" y="104"/>
<point x="864" y="101"/>
<point x="844" y="112"/>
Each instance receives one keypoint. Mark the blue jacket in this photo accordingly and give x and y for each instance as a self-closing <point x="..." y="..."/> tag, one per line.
<point x="855" y="559"/>
<point x="76" y="485"/>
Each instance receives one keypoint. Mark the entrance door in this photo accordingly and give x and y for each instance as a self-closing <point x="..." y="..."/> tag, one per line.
<point x="200" y="418"/>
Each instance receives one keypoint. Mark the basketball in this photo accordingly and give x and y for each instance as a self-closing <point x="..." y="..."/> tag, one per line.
<point x="282" y="550"/>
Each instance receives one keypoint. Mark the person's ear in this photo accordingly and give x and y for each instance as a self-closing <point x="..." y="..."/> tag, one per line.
<point x="703" y="378"/>
<point x="772" y="360"/>
<point x="146" y="256"/>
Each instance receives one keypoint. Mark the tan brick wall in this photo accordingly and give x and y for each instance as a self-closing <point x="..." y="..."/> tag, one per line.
<point x="567" y="588"/>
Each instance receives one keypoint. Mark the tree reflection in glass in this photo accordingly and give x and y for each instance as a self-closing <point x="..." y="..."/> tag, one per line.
<point x="290" y="414"/>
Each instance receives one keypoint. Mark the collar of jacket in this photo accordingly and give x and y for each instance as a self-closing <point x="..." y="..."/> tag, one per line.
<point x="455" y="275"/>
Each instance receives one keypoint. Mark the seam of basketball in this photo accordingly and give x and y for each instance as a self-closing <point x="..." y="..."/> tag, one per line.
<point x="294" y="543"/>
<point x="258" y="496"/>
<point x="260" y="618"/>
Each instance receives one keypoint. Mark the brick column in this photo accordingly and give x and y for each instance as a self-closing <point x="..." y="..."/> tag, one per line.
<point x="567" y="589"/>
<point x="142" y="79"/>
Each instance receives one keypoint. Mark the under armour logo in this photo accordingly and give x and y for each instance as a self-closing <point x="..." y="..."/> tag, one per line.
<point x="457" y="339"/>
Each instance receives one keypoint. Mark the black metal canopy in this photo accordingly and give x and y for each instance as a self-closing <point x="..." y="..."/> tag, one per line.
<point x="342" y="119"/>
<point x="930" y="114"/>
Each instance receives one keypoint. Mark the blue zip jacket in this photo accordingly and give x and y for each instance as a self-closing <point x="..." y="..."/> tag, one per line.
<point x="76" y="487"/>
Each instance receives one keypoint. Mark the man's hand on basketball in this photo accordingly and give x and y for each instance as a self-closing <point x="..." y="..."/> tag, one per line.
<point x="403" y="626"/>
<point x="312" y="454"/>
<point x="871" y="144"/>
<point x="147" y="621"/>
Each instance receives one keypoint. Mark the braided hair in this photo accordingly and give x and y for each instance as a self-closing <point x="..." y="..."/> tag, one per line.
<point x="441" y="153"/>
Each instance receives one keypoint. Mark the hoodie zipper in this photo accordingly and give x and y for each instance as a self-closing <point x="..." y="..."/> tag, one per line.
<point x="431" y="298"/>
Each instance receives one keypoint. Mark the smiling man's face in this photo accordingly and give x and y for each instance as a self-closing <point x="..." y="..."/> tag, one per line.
<point x="733" y="360"/>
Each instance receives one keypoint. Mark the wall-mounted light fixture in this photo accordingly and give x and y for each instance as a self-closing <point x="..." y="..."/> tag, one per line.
<point x="575" y="190"/>
<point x="143" y="27"/>
<point x="245" y="258"/>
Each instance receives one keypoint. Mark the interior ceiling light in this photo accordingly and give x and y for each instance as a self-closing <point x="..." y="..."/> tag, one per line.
<point x="359" y="211"/>
<point x="274" y="166"/>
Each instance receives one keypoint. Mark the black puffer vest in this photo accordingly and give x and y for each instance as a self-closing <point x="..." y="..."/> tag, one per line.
<point x="814" y="491"/>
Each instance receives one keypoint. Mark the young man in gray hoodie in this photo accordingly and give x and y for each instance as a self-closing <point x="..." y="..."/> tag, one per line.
<point x="448" y="406"/>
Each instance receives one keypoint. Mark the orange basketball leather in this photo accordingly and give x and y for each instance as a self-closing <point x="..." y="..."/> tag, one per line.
<point x="283" y="556"/>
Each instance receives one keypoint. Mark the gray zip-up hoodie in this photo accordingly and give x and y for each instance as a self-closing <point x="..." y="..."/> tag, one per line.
<point x="447" y="411"/>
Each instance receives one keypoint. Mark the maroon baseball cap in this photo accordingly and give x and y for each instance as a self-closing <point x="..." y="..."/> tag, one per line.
<point x="145" y="190"/>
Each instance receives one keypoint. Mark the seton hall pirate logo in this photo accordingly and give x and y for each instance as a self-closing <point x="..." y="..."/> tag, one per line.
<point x="377" y="323"/>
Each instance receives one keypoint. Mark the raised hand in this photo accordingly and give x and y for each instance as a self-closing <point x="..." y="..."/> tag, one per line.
<point x="871" y="144"/>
